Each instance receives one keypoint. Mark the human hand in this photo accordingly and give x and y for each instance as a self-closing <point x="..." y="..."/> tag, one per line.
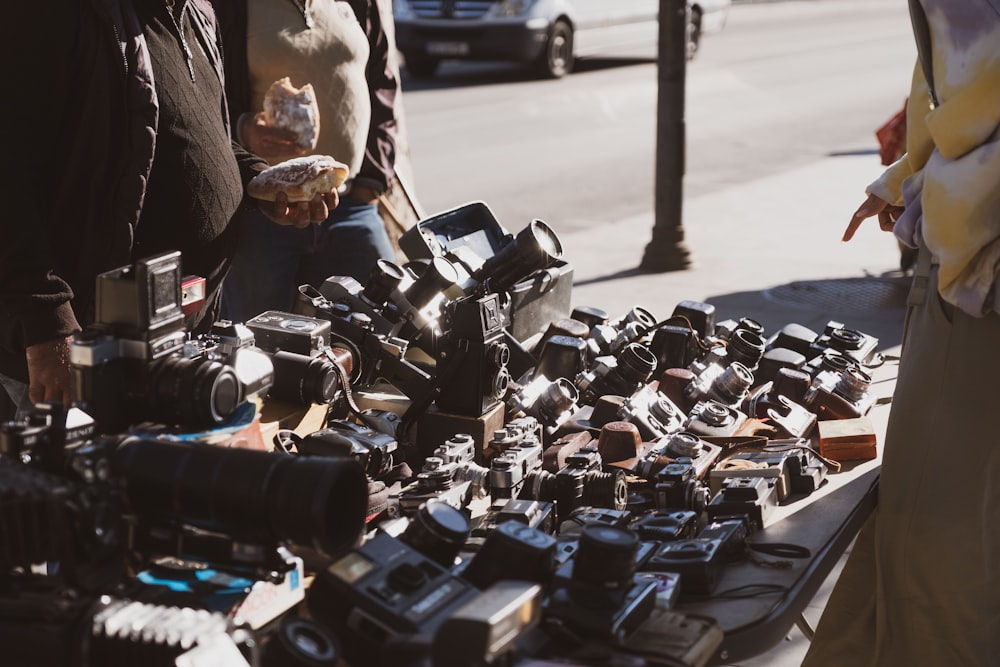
<point x="268" y="142"/>
<point x="50" y="377"/>
<point x="300" y="214"/>
<point x="886" y="212"/>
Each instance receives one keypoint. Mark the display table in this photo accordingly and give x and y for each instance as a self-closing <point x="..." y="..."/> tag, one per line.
<point x="756" y="605"/>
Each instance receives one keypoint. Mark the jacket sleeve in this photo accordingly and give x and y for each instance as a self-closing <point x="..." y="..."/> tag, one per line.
<point x="919" y="145"/>
<point x="34" y="301"/>
<point x="377" y="168"/>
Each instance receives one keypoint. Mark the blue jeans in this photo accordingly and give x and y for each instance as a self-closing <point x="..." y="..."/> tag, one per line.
<point x="272" y="260"/>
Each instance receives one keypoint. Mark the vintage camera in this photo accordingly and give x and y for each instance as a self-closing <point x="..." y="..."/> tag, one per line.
<point x="752" y="497"/>
<point x="612" y="337"/>
<point x="745" y="342"/>
<point x="375" y="451"/>
<point x="806" y="472"/>
<point x="699" y="561"/>
<point x="60" y="504"/>
<point x="712" y="418"/>
<point x="561" y="357"/>
<point x="472" y="367"/>
<point x="666" y="525"/>
<point x="597" y="592"/>
<point x="275" y="330"/>
<point x="130" y="366"/>
<point x="386" y="600"/>
<point x="698" y="315"/>
<point x="438" y="530"/>
<point x="653" y="414"/>
<point x="488" y="629"/>
<point x="770" y="462"/>
<point x="786" y="416"/>
<point x="728" y="384"/>
<point x="620" y="375"/>
<point x="512" y="550"/>
<point x="674" y="346"/>
<point x="451" y="482"/>
<point x="844" y="395"/>
<point x="513" y="433"/>
<point x="550" y="402"/>
<point x="679" y="488"/>
<point x="857" y="345"/>
<point x="580" y="482"/>
<point x="509" y="470"/>
<point x="534" y="513"/>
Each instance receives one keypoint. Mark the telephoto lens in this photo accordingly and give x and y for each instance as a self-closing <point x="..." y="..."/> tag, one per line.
<point x="535" y="247"/>
<point x="249" y="495"/>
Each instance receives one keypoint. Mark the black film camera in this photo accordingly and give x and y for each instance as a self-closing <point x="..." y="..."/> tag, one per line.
<point x="131" y="365"/>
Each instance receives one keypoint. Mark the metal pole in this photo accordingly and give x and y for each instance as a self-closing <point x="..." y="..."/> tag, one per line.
<point x="666" y="250"/>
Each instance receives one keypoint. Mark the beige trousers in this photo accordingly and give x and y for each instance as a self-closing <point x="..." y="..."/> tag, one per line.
<point x="921" y="587"/>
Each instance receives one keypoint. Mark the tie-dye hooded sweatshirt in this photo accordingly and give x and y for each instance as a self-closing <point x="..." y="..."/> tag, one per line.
<point x="949" y="180"/>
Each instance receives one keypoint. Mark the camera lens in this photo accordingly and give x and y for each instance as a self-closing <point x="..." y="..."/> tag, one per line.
<point x="437" y="275"/>
<point x="385" y="277"/>
<point x="853" y="384"/>
<point x="732" y="385"/>
<point x="636" y="363"/>
<point x="606" y="556"/>
<point x="606" y="489"/>
<point x="535" y="247"/>
<point x="301" y="643"/>
<point x="303" y="379"/>
<point x="193" y="393"/>
<point x="746" y="347"/>
<point x="512" y="550"/>
<point x="438" y="531"/>
<point x="249" y="495"/>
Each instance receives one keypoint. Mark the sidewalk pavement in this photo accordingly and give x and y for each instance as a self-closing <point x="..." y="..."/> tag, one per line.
<point x="768" y="249"/>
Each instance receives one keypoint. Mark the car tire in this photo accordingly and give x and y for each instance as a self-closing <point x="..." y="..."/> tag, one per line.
<point x="420" y="66"/>
<point x="556" y="60"/>
<point x="693" y="33"/>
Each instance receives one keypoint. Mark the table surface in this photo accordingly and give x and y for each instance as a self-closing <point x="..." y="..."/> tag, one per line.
<point x="755" y="605"/>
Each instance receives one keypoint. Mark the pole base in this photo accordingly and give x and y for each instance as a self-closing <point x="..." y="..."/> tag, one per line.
<point x="659" y="259"/>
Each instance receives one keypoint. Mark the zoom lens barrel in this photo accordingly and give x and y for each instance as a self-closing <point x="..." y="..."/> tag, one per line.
<point x="249" y="495"/>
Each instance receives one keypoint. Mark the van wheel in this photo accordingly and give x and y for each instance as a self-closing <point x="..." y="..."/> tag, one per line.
<point x="420" y="66"/>
<point x="557" y="59"/>
<point x="693" y="33"/>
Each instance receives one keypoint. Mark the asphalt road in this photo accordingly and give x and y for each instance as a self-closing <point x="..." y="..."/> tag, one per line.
<point x="783" y="85"/>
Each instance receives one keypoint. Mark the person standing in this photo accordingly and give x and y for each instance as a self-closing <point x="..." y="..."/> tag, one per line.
<point x="122" y="146"/>
<point x="922" y="583"/>
<point x="341" y="49"/>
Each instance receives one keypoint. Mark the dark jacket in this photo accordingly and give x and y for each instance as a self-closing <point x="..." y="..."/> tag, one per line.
<point x="83" y="142"/>
<point x="377" y="168"/>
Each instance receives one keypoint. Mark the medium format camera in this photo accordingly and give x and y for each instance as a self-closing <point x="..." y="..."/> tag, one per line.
<point x="132" y="365"/>
<point x="472" y="367"/>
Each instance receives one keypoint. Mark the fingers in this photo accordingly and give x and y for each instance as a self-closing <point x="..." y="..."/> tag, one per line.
<point x="871" y="206"/>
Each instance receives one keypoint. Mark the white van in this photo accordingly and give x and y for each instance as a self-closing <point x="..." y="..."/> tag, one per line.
<point x="547" y="33"/>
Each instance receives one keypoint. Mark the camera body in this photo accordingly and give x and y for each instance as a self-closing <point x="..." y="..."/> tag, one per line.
<point x="551" y="402"/>
<point x="472" y="365"/>
<point x="655" y="415"/>
<point x="375" y="451"/>
<point x="619" y="375"/>
<point x="753" y="497"/>
<point x="855" y="344"/>
<point x="699" y="561"/>
<point x="712" y="418"/>
<point x="679" y="488"/>
<point x="843" y="395"/>
<point x="597" y="592"/>
<point x="580" y="482"/>
<point x="386" y="600"/>
<point x="509" y="470"/>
